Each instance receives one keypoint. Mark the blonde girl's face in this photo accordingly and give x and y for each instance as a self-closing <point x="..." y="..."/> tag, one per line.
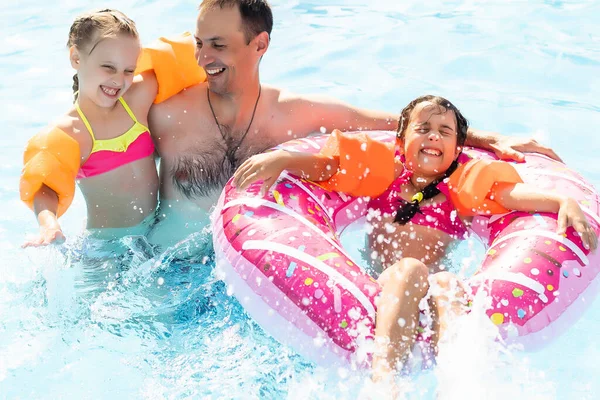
<point x="106" y="69"/>
<point x="430" y="140"/>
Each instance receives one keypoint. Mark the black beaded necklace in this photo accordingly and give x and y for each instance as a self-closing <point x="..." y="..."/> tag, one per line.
<point x="408" y="209"/>
<point x="231" y="151"/>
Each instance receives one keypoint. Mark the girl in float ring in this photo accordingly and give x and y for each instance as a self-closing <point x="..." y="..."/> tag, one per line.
<point x="421" y="200"/>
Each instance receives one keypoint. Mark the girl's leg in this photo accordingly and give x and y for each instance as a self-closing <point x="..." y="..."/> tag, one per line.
<point x="447" y="301"/>
<point x="403" y="284"/>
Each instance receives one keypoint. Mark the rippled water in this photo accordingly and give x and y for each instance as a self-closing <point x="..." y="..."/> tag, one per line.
<point x="77" y="324"/>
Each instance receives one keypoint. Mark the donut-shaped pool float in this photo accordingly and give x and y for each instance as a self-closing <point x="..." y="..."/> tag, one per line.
<point x="282" y="258"/>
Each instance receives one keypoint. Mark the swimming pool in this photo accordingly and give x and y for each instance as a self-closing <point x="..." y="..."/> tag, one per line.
<point x="164" y="327"/>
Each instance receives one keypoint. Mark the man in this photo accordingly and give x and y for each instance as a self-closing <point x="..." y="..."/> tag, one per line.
<point x="205" y="132"/>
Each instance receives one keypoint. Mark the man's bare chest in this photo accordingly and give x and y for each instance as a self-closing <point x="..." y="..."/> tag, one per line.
<point x="200" y="162"/>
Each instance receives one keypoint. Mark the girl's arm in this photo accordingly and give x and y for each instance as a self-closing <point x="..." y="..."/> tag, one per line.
<point x="268" y="167"/>
<point x="523" y="197"/>
<point x="45" y="206"/>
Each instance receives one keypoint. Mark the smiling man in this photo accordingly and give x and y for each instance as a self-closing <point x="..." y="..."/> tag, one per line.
<point x="205" y="132"/>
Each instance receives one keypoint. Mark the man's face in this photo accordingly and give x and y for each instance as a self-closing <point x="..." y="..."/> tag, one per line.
<point x="221" y="49"/>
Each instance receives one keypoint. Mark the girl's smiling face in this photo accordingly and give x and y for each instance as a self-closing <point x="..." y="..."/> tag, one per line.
<point x="107" y="71"/>
<point x="430" y="141"/>
<point x="103" y="48"/>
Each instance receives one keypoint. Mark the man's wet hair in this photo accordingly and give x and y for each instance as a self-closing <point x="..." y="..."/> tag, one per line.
<point x="256" y="15"/>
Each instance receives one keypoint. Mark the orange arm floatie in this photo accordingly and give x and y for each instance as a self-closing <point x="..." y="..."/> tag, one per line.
<point x="472" y="186"/>
<point x="52" y="159"/>
<point x="174" y="65"/>
<point x="366" y="166"/>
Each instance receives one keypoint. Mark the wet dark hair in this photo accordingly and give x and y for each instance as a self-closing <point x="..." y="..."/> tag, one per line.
<point x="90" y="28"/>
<point x="256" y="15"/>
<point x="408" y="209"/>
<point x="443" y="105"/>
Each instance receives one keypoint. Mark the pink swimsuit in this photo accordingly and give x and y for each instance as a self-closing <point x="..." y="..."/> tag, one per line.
<point x="109" y="154"/>
<point x="441" y="216"/>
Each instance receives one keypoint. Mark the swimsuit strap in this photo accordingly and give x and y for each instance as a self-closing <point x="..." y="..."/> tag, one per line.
<point x="85" y="121"/>
<point x="126" y="107"/>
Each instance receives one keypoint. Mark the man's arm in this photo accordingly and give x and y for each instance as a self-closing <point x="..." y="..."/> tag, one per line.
<point x="314" y="112"/>
<point x="507" y="147"/>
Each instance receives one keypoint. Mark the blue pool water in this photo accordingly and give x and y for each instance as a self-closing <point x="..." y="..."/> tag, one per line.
<point x="148" y="325"/>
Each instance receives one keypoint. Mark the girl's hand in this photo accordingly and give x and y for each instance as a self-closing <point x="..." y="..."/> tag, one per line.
<point x="266" y="167"/>
<point x="50" y="231"/>
<point x="570" y="214"/>
<point x="48" y="235"/>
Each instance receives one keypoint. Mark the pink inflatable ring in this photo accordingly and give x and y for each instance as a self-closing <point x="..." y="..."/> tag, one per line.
<point x="282" y="258"/>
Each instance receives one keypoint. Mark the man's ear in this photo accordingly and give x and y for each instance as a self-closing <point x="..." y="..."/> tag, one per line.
<point x="262" y="41"/>
<point x="74" y="57"/>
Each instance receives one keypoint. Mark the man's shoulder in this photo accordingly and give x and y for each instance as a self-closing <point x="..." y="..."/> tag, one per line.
<point x="280" y="95"/>
<point x="285" y="99"/>
<point x="178" y="113"/>
<point x="192" y="95"/>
